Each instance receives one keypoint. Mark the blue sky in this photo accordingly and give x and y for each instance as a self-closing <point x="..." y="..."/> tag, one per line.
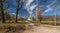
<point x="32" y="5"/>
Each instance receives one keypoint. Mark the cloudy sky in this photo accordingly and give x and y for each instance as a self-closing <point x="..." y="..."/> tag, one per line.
<point x="49" y="7"/>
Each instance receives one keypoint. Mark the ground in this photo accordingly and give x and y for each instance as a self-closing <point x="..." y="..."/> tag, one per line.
<point x="41" y="29"/>
<point x="30" y="28"/>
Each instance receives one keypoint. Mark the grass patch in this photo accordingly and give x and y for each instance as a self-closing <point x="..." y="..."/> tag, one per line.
<point x="4" y="27"/>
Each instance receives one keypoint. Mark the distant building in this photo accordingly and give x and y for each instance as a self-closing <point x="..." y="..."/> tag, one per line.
<point x="30" y="17"/>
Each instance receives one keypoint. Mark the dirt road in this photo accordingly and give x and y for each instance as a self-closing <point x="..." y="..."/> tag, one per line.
<point x="41" y="29"/>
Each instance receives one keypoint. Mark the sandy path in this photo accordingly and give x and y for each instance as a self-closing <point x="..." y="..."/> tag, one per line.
<point x="42" y="30"/>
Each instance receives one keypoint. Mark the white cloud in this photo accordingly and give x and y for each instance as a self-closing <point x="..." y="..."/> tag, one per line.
<point x="51" y="3"/>
<point x="28" y="7"/>
<point x="29" y="2"/>
<point x="48" y="10"/>
<point x="33" y="6"/>
<point x="13" y="13"/>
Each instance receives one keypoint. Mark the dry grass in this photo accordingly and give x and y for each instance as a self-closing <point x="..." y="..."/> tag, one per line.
<point x="5" y="26"/>
<point x="21" y="23"/>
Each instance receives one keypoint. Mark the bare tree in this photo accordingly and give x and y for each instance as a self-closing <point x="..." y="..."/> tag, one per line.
<point x="19" y="6"/>
<point x="2" y="10"/>
<point x="39" y="14"/>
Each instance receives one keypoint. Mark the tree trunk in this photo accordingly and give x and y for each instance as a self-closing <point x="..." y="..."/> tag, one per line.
<point x="17" y="11"/>
<point x="17" y="15"/>
<point x="2" y="11"/>
<point x="19" y="6"/>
